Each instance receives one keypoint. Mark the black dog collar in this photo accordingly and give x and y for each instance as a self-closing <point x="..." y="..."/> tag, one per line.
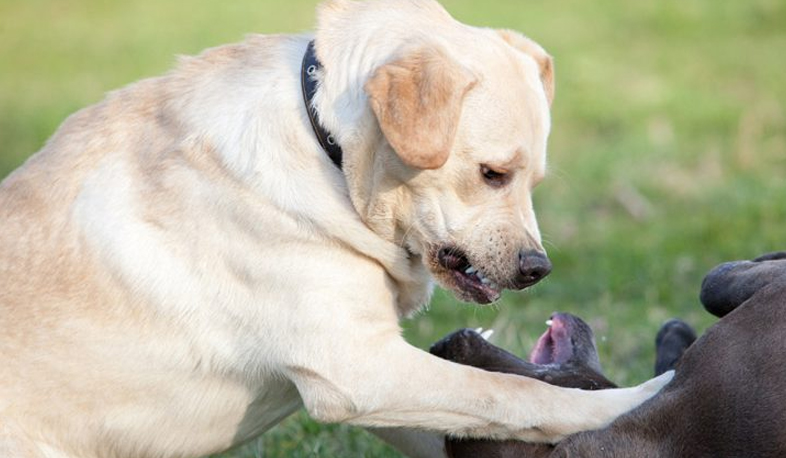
<point x="308" y="83"/>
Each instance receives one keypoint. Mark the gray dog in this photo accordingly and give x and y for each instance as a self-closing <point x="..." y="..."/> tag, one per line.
<point x="726" y="400"/>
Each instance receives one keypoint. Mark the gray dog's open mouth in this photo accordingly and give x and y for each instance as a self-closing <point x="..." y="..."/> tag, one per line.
<point x="555" y="345"/>
<point x="467" y="279"/>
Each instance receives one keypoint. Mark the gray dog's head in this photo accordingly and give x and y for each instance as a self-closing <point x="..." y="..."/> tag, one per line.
<point x="732" y="283"/>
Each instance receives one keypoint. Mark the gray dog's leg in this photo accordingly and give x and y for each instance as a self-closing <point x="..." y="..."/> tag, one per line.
<point x="414" y="444"/>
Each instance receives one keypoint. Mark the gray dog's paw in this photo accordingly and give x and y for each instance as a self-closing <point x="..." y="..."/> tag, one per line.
<point x="732" y="283"/>
<point x="460" y="346"/>
<point x="674" y="337"/>
<point x="774" y="256"/>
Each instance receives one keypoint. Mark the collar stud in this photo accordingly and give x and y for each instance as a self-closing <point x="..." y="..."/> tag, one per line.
<point x="308" y="84"/>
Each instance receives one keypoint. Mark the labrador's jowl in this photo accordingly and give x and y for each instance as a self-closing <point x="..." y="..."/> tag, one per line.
<point x="183" y="265"/>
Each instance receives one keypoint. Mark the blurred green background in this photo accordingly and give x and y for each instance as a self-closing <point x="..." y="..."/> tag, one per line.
<point x="667" y="156"/>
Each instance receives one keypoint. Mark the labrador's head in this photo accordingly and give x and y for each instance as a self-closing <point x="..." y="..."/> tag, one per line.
<point x="464" y="120"/>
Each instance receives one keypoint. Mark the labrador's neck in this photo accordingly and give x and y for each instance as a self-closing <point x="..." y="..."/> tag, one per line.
<point x="349" y="56"/>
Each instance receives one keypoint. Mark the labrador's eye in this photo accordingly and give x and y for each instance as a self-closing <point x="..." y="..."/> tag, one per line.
<point x="494" y="177"/>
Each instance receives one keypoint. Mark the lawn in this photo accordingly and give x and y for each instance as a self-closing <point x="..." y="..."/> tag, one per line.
<point x="668" y="151"/>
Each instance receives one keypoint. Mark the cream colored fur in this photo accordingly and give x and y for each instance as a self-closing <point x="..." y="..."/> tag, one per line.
<point x="182" y="266"/>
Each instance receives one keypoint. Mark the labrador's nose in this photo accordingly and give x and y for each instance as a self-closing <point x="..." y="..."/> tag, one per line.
<point x="533" y="267"/>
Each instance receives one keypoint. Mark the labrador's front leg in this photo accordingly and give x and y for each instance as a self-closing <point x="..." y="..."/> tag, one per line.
<point x="389" y="383"/>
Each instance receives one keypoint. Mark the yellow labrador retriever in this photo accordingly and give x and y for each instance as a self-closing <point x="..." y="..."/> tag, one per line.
<point x="182" y="265"/>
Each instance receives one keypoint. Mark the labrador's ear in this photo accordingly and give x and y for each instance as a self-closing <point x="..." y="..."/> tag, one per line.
<point x="417" y="100"/>
<point x="534" y="50"/>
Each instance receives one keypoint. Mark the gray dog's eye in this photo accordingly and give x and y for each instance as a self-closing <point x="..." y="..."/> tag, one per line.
<point x="494" y="177"/>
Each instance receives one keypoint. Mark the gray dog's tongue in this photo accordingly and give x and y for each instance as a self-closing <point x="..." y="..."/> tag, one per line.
<point x="554" y="346"/>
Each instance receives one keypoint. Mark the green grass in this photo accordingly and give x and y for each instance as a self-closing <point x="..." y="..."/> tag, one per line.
<point x="668" y="152"/>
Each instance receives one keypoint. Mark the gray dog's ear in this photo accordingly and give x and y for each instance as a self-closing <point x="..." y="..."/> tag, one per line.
<point x="417" y="100"/>
<point x="534" y="50"/>
<point x="730" y="284"/>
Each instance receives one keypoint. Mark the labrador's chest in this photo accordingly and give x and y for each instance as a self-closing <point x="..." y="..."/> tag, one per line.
<point x="199" y="418"/>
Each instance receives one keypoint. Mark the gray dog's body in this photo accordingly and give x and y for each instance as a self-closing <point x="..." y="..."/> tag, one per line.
<point x="727" y="398"/>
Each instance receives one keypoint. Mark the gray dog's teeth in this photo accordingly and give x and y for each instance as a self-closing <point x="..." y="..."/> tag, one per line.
<point x="470" y="270"/>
